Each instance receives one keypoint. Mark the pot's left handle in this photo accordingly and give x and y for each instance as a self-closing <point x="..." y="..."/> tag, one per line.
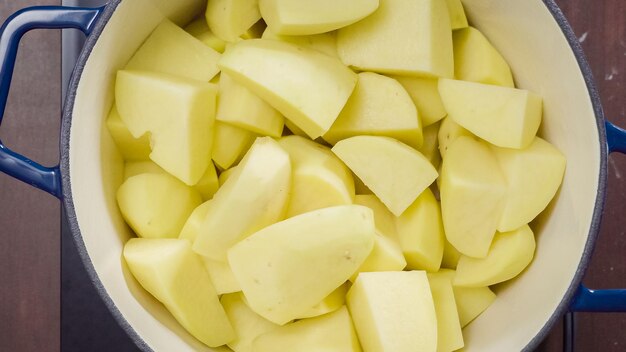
<point x="48" y="17"/>
<point x="588" y="300"/>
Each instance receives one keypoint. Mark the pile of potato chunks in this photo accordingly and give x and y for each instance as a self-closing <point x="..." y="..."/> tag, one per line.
<point x="281" y="159"/>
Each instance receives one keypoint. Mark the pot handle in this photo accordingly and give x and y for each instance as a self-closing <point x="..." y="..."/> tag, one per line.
<point x="47" y="17"/>
<point x="588" y="300"/>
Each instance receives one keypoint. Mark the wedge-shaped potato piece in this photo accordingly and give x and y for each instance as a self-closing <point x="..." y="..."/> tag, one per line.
<point x="324" y="42"/>
<point x="254" y="197"/>
<point x="329" y="332"/>
<point x="430" y="148"/>
<point x="225" y="175"/>
<point x="304" y="17"/>
<point x="476" y="60"/>
<point x="230" y="144"/>
<point x="320" y="179"/>
<point x="473" y="194"/>
<point x="533" y="176"/>
<point x="450" y="256"/>
<point x="449" y="131"/>
<point x="449" y="334"/>
<point x="395" y="172"/>
<point x="201" y="31"/>
<point x="229" y="19"/>
<point x="156" y="205"/>
<point x="384" y="219"/>
<point x="421" y="233"/>
<point x="458" y="19"/>
<point x="509" y="255"/>
<point x="239" y="107"/>
<point x="173" y="274"/>
<point x="169" y="49"/>
<point x="386" y="256"/>
<point x="315" y="89"/>
<point x="207" y="186"/>
<point x="256" y="31"/>
<point x="470" y="301"/>
<point x="425" y="95"/>
<point x="247" y="324"/>
<point x="287" y="268"/>
<point x="208" y="183"/>
<point x="360" y="187"/>
<point x="405" y="37"/>
<point x="379" y="106"/>
<point x="194" y="222"/>
<point x="331" y="303"/>
<point x="506" y="117"/>
<point x="179" y="113"/>
<point x="134" y="168"/>
<point x="130" y="147"/>
<point x="378" y="302"/>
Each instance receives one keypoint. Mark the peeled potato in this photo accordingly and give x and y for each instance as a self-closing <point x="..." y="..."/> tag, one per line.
<point x="230" y="144"/>
<point x="156" y="205"/>
<point x="324" y="42"/>
<point x="509" y="255"/>
<point x="201" y="31"/>
<point x="229" y="19"/>
<point x="449" y="334"/>
<point x="304" y="17"/>
<point x="425" y="95"/>
<point x="173" y="274"/>
<point x="384" y="219"/>
<point x="458" y="19"/>
<point x="331" y="303"/>
<point x="247" y="324"/>
<point x="430" y="149"/>
<point x="287" y="268"/>
<point x="449" y="131"/>
<point x="329" y="332"/>
<point x="130" y="147"/>
<point x="395" y="172"/>
<point x="385" y="256"/>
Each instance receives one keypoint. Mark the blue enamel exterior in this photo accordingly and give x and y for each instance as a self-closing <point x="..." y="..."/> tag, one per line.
<point x="48" y="17"/>
<point x="588" y="300"/>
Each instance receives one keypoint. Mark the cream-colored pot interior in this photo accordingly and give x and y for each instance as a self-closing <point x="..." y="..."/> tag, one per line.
<point x="528" y="37"/>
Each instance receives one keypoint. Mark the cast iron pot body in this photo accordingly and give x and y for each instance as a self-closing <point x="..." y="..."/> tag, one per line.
<point x="532" y="35"/>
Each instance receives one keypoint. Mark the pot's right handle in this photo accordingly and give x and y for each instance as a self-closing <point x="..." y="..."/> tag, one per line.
<point x="49" y="17"/>
<point x="588" y="300"/>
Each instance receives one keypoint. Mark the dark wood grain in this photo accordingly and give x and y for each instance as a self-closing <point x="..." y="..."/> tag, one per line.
<point x="29" y="219"/>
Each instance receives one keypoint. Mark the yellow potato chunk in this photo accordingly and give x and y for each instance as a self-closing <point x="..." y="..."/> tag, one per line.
<point x="221" y="276"/>
<point x="395" y="172"/>
<point x="254" y="197"/>
<point x="229" y="19"/>
<point x="430" y="148"/>
<point x="324" y="42"/>
<point x="476" y="60"/>
<point x="379" y="106"/>
<point x="156" y="205"/>
<point x="194" y="222"/>
<point x="404" y="37"/>
<point x="449" y="334"/>
<point x="247" y="324"/>
<point x="179" y="113"/>
<point x="230" y="144"/>
<point x="506" y="117"/>
<point x="173" y="274"/>
<point x="509" y="255"/>
<point x="450" y="256"/>
<point x="319" y="178"/>
<point x="384" y="219"/>
<point x="134" y="168"/>
<point x="130" y="147"/>
<point x="331" y="303"/>
<point x="239" y="107"/>
<point x="315" y="86"/>
<point x="473" y="194"/>
<point x="386" y="256"/>
<point x="305" y="17"/>
<point x="171" y="50"/>
<point x="287" y="268"/>
<point x="225" y="175"/>
<point x="208" y="183"/>
<point x="201" y="31"/>
<point x="533" y="176"/>
<point x="329" y="332"/>
<point x="421" y="233"/>
<point x="449" y="131"/>
<point x="378" y="302"/>
<point x="458" y="19"/>
<point x="470" y="301"/>
<point x="425" y="95"/>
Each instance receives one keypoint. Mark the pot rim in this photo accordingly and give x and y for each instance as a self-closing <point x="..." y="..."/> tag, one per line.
<point x="68" y="202"/>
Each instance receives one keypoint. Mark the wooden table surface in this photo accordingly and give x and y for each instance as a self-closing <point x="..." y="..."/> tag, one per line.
<point x="30" y="255"/>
